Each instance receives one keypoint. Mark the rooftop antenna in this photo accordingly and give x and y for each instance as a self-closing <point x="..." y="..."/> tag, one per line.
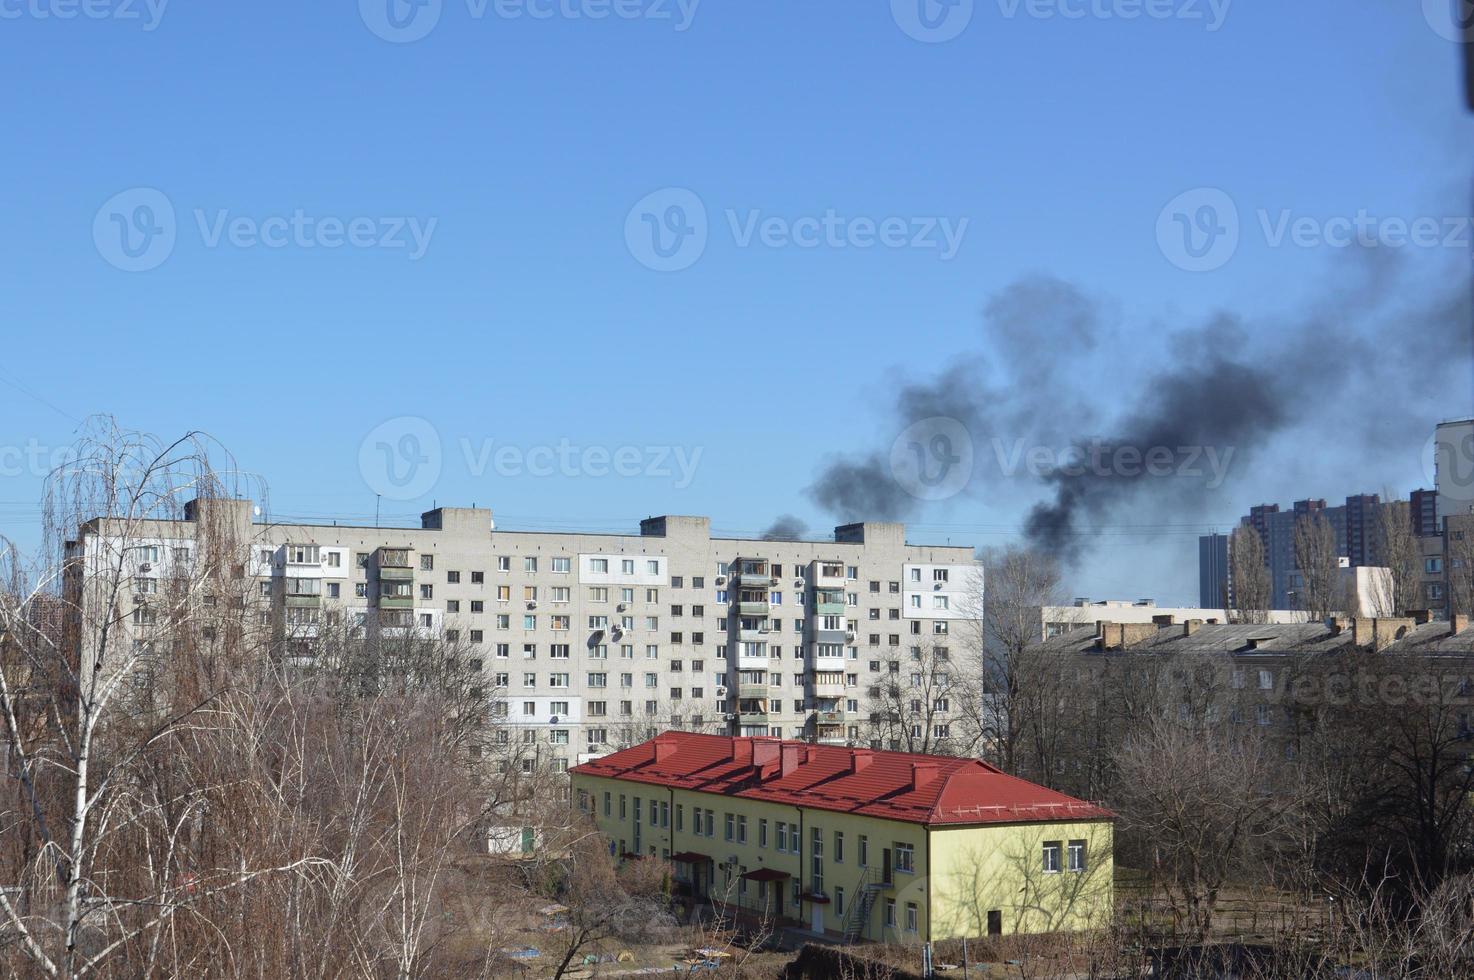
<point x="377" y="498"/>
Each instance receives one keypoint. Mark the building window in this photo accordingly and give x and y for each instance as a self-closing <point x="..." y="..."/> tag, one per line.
<point x="905" y="858"/>
<point x="1077" y="856"/>
<point x="1051" y="857"/>
<point x="910" y="916"/>
<point x="890" y="913"/>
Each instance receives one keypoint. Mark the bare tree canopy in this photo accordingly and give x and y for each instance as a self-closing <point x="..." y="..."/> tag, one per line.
<point x="1318" y="561"/>
<point x="1249" y="576"/>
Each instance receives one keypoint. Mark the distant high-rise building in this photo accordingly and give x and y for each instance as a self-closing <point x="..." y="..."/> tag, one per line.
<point x="1213" y="582"/>
<point x="1361" y="528"/>
<point x="1423" y="510"/>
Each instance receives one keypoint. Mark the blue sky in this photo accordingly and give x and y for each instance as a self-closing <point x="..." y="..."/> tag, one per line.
<point x="519" y="145"/>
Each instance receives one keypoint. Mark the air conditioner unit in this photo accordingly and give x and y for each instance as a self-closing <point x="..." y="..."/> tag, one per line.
<point x="721" y="580"/>
<point x="798" y="583"/>
<point x="721" y="692"/>
<point x="621" y="607"/>
<point x="532" y="604"/>
<point x="938" y="585"/>
<point x="773" y="580"/>
<point x="146" y="567"/>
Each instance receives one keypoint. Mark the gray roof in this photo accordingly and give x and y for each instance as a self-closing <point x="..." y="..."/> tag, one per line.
<point x="1433" y="638"/>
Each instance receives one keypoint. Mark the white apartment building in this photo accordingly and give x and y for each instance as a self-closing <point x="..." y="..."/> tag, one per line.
<point x="593" y="640"/>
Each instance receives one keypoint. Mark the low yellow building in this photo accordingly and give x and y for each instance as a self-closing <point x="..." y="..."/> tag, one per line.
<point x="855" y="843"/>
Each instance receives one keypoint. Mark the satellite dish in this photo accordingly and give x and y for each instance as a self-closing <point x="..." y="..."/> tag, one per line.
<point x="256" y="510"/>
<point x="553" y="720"/>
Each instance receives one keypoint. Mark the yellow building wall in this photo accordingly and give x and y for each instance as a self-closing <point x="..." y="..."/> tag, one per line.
<point x="1001" y="868"/>
<point x="958" y="875"/>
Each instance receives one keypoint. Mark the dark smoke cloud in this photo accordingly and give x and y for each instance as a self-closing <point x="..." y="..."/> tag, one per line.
<point x="786" y="528"/>
<point x="1355" y="376"/>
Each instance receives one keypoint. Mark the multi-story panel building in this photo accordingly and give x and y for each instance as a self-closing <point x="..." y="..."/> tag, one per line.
<point x="593" y="640"/>
<point x="855" y="843"/>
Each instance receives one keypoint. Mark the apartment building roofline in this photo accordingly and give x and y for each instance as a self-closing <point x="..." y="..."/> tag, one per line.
<point x="855" y="534"/>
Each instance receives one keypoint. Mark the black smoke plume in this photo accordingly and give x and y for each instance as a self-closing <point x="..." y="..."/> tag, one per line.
<point x="1052" y="368"/>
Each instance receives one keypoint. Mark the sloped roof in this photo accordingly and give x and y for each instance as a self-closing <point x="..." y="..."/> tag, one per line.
<point x="945" y="791"/>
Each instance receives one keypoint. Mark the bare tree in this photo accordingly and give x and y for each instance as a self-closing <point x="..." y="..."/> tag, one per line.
<point x="188" y="791"/>
<point x="1020" y="583"/>
<point x="920" y="704"/>
<point x="1249" y="575"/>
<point x="1459" y="564"/>
<point x="1395" y="547"/>
<point x="1202" y="807"/>
<point x="1317" y="559"/>
<point x="604" y="895"/>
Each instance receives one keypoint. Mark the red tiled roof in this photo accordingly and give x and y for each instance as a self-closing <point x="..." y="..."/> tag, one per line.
<point x="924" y="789"/>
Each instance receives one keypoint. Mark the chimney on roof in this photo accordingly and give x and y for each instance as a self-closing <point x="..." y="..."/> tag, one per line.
<point x="811" y="752"/>
<point x="1420" y="616"/>
<point x="923" y="774"/>
<point x="742" y="752"/>
<point x="860" y="760"/>
<point x="665" y="747"/>
<point x="1336" y="625"/>
<point x="1379" y="633"/>
<point x="1457" y="623"/>
<point x="1191" y="626"/>
<point x="789" y="758"/>
<point x="764" y="752"/>
<point x="1164" y="619"/>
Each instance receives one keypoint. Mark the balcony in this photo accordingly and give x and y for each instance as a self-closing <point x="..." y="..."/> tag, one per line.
<point x="830" y="608"/>
<point x="393" y="573"/>
<point x="754" y="662"/>
<point x="746" y="718"/>
<point x="754" y="636"/>
<point x="827" y="575"/>
<point x="752" y="607"/>
<point x="393" y="558"/>
<point x="829" y="718"/>
<point x="757" y="692"/>
<point x="829" y="689"/>
<point x="752" y="580"/>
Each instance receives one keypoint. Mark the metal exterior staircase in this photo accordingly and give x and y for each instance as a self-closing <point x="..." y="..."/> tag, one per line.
<point x="859" y="914"/>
